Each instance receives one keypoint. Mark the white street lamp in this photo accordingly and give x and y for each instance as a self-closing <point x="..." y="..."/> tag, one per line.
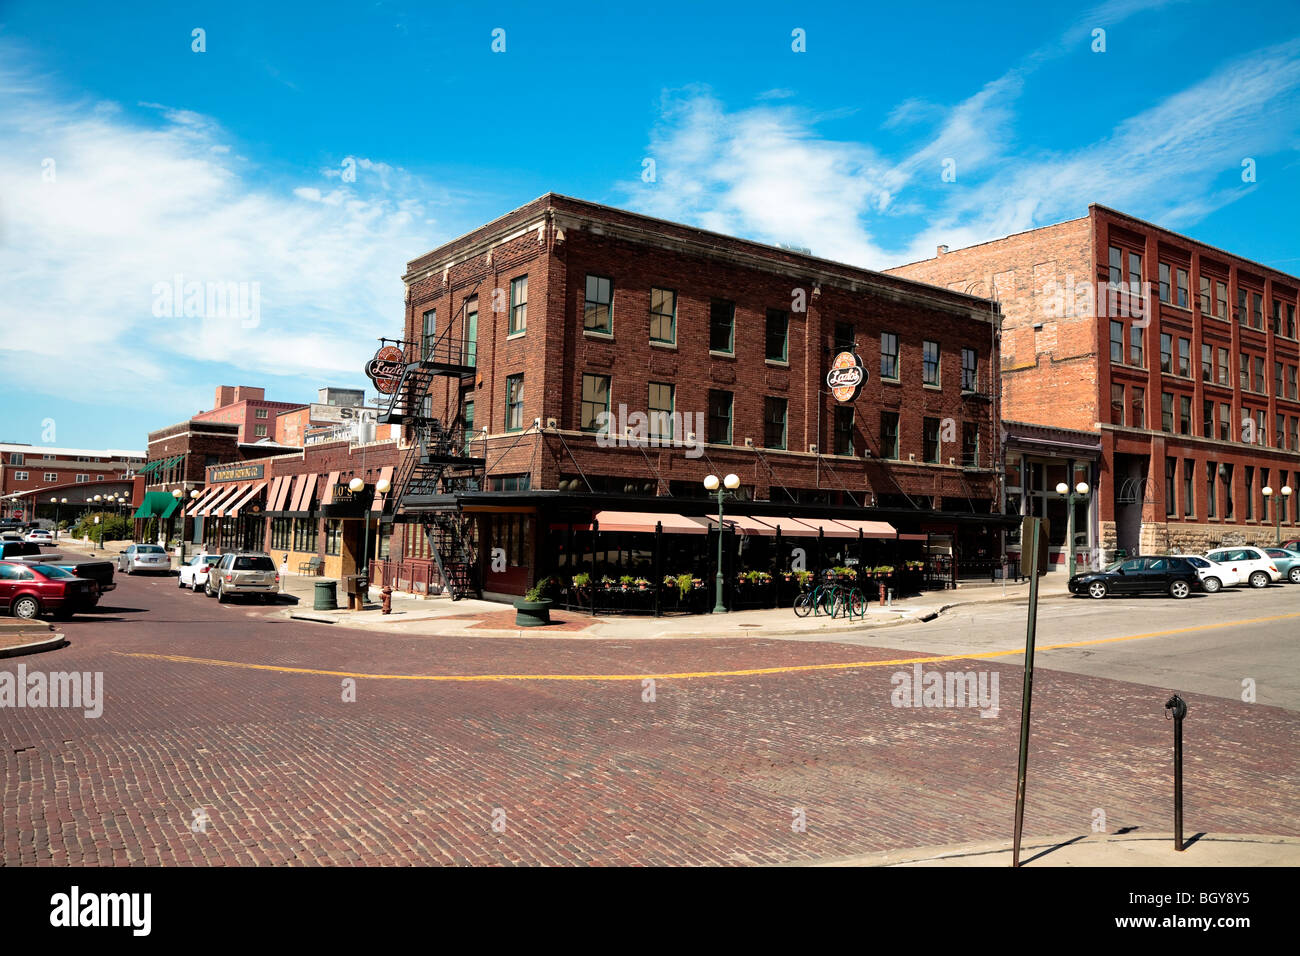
<point x="1079" y="491"/>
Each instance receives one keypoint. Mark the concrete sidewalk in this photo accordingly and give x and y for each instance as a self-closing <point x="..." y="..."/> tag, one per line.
<point x="1100" y="849"/>
<point x="415" y="615"/>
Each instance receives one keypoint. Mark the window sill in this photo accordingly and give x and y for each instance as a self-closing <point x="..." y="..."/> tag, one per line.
<point x="891" y="381"/>
<point x="726" y="355"/>
<point x="597" y="334"/>
<point x="517" y="335"/>
<point x="672" y="346"/>
<point x="933" y="388"/>
<point x="780" y="363"/>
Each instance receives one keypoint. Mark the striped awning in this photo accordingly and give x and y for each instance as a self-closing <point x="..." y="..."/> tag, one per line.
<point x="253" y="490"/>
<point x="224" y="493"/>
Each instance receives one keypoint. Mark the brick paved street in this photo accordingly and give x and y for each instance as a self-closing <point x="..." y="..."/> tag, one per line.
<point x="710" y="772"/>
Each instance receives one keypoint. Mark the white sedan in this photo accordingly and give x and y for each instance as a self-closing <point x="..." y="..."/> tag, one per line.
<point x="1214" y="576"/>
<point x="1255" y="567"/>
<point x="194" y="572"/>
<point x="39" y="537"/>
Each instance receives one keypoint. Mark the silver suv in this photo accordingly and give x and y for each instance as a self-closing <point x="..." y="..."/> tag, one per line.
<point x="243" y="572"/>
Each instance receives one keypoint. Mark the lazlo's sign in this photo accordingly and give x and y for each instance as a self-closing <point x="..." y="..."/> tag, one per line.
<point x="846" y="377"/>
<point x="225" y="473"/>
<point x="385" y="369"/>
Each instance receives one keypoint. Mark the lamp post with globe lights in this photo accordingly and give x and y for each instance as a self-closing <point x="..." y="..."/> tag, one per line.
<point x="98" y="499"/>
<point x="1278" y="508"/>
<point x="720" y="488"/>
<point x="1071" y="496"/>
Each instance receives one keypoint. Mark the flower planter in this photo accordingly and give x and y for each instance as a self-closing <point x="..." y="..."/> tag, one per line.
<point x="532" y="613"/>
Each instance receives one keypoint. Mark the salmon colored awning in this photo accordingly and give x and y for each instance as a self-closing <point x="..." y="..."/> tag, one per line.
<point x="869" y="529"/>
<point x="223" y="494"/>
<point x="645" y="521"/>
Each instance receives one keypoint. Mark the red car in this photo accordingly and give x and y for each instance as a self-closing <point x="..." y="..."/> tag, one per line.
<point x="29" y="590"/>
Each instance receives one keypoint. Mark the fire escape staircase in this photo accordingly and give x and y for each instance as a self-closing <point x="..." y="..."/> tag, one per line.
<point x="439" y="461"/>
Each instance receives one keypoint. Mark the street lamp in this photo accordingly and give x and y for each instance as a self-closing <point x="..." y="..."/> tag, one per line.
<point x="1278" y="509"/>
<point x="177" y="495"/>
<point x="713" y="486"/>
<point x="1071" y="495"/>
<point x="98" y="499"/>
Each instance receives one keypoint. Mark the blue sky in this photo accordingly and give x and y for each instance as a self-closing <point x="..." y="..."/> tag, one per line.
<point x="127" y="159"/>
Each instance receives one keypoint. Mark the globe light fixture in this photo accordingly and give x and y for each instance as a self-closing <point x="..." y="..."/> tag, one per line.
<point x="355" y="485"/>
<point x="383" y="486"/>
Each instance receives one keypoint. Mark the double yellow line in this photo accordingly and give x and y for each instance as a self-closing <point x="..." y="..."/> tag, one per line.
<point x="690" y="675"/>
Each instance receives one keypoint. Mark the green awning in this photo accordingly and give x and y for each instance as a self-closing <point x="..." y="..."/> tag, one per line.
<point x="175" y="461"/>
<point x="156" y="504"/>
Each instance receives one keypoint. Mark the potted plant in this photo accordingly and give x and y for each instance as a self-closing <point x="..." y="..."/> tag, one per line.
<point x="884" y="570"/>
<point x="641" y="584"/>
<point x="582" y="581"/>
<point x="803" y="577"/>
<point x="535" y="608"/>
<point x="626" y="581"/>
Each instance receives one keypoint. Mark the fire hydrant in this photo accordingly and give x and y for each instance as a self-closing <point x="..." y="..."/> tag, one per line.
<point x="387" y="592"/>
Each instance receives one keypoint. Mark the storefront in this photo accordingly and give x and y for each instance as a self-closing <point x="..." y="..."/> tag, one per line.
<point x="1040" y="461"/>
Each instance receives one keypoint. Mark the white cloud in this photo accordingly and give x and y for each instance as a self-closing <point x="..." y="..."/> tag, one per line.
<point x="140" y="197"/>
<point x="767" y="172"/>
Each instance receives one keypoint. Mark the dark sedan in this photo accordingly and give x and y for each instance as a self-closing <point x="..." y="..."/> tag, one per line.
<point x="29" y="590"/>
<point x="1164" y="574"/>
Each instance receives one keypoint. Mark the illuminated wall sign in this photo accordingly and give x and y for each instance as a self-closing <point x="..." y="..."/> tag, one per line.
<point x="846" y="377"/>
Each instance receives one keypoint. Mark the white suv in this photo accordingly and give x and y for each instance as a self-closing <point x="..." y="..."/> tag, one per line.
<point x="1254" y="566"/>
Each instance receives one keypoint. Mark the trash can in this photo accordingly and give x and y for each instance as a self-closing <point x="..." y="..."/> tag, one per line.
<point x="326" y="596"/>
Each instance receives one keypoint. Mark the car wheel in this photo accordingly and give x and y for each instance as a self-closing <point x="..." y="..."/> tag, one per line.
<point x="1212" y="585"/>
<point x="1097" y="589"/>
<point x="1258" y="579"/>
<point x="180" y="583"/>
<point x="196" y="587"/>
<point x="1179" y="589"/>
<point x="222" y="596"/>
<point x="27" y="608"/>
<point x="1294" y="575"/>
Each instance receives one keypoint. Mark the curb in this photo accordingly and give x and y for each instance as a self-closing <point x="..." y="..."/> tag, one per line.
<point x="1041" y="846"/>
<point x="314" y="618"/>
<point x="52" y="643"/>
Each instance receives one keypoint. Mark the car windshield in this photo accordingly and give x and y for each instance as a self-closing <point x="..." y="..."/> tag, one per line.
<point x="148" y="549"/>
<point x="254" y="564"/>
<point x="1115" y="566"/>
<point x="50" y="571"/>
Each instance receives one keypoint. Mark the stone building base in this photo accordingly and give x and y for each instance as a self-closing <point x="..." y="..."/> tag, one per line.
<point x="1185" y="537"/>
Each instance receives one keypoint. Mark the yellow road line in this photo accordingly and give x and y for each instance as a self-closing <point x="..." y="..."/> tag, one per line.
<point x="685" y="675"/>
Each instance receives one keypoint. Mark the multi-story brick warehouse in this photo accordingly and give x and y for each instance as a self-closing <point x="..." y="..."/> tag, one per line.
<point x="565" y="325"/>
<point x="1183" y="358"/>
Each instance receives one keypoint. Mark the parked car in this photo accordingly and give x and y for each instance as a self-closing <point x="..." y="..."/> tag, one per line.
<point x="1256" y="568"/>
<point x="1292" y="545"/>
<point x="1214" y="576"/>
<point x="143" y="557"/>
<point x="39" y="537"/>
<point x="30" y="590"/>
<point x="1287" y="561"/>
<point x="11" y="536"/>
<point x="1170" y="574"/>
<point x="194" y="573"/>
<point x="243" y="572"/>
<point x="101" y="572"/>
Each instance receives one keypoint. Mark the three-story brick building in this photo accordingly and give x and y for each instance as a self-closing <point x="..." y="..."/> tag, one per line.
<point x="594" y="360"/>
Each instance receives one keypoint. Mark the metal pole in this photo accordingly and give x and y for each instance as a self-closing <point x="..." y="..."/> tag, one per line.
<point x="1027" y="692"/>
<point x="1069" y="525"/>
<point x="1178" y="707"/>
<point x="718" y="607"/>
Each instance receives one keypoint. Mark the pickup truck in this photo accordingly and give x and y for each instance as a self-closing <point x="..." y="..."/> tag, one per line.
<point x="101" y="572"/>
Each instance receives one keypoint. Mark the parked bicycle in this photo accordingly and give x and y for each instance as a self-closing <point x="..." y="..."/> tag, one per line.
<point x="831" y="599"/>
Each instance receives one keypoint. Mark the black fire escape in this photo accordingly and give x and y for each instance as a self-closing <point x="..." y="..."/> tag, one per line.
<point x="441" y="459"/>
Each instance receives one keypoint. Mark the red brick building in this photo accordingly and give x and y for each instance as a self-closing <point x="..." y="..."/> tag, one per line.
<point x="587" y="359"/>
<point x="30" y="475"/>
<point x="248" y="408"/>
<point x="1182" y="358"/>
